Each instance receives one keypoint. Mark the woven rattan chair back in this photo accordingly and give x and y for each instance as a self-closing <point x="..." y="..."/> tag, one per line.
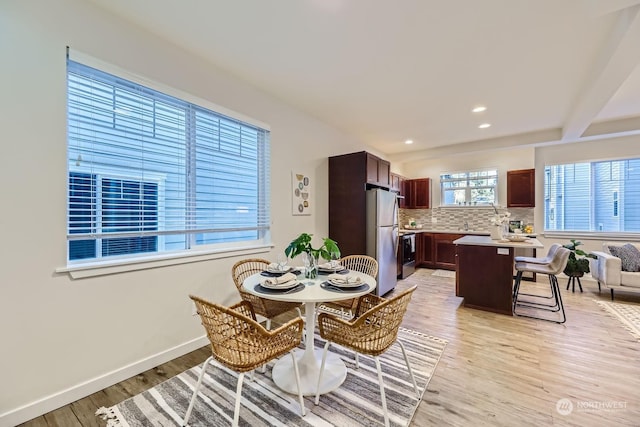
<point x="241" y="344"/>
<point x="372" y="331"/>
<point x="374" y="327"/>
<point x="238" y="341"/>
<point x="363" y="264"/>
<point x="262" y="306"/>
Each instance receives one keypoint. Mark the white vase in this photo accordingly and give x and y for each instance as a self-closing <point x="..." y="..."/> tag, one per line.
<point x="496" y="232"/>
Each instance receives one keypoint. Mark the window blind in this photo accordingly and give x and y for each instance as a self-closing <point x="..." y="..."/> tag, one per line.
<point x="149" y="172"/>
<point x="599" y="196"/>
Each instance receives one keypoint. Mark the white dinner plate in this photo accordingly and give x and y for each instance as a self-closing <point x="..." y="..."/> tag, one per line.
<point x="340" y="284"/>
<point x="516" y="238"/>
<point x="286" y="285"/>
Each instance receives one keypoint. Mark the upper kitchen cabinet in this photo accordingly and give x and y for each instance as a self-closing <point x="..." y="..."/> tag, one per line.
<point x="397" y="184"/>
<point x="349" y="175"/>
<point x="378" y="170"/>
<point x="521" y="190"/>
<point x="417" y="193"/>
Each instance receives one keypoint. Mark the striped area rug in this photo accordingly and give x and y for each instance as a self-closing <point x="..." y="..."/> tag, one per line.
<point x="627" y="314"/>
<point x="355" y="403"/>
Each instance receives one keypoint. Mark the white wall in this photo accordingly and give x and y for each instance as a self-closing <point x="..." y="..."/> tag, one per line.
<point x="60" y="335"/>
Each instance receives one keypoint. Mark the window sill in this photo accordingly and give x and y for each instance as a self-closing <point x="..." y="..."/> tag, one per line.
<point x="114" y="267"/>
<point x="592" y="235"/>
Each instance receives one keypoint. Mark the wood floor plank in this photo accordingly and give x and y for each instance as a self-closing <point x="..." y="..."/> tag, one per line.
<point x="496" y="370"/>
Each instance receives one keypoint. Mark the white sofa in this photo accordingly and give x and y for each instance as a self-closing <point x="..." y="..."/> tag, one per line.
<point x="607" y="270"/>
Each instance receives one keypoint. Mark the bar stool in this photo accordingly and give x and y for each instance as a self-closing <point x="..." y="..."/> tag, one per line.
<point x="551" y="269"/>
<point x="542" y="260"/>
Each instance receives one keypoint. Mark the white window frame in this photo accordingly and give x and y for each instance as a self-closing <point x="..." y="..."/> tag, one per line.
<point x="551" y="209"/>
<point x="468" y="202"/>
<point x="201" y="252"/>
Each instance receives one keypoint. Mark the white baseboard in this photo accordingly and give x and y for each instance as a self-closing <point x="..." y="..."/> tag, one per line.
<point x="64" y="397"/>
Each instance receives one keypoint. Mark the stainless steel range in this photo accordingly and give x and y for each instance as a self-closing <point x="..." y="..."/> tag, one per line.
<point x="407" y="254"/>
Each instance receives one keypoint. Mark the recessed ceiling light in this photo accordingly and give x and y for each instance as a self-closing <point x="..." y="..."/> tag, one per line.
<point x="484" y="125"/>
<point x="408" y="142"/>
<point x="479" y="109"/>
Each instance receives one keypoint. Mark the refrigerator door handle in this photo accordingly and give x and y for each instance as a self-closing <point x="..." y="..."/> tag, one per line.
<point x="396" y="237"/>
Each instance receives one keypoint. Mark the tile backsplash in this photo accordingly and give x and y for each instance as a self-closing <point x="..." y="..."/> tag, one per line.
<point x="453" y="218"/>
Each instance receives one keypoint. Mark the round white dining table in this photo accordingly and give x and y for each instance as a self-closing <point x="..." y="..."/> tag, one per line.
<point x="310" y="358"/>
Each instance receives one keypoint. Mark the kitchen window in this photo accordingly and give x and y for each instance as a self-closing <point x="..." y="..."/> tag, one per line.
<point x="150" y="173"/>
<point x="475" y="188"/>
<point x="593" y="197"/>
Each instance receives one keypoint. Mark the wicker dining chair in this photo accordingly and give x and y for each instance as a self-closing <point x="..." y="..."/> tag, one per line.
<point x="371" y="332"/>
<point x="241" y="344"/>
<point x="363" y="264"/>
<point x="262" y="306"/>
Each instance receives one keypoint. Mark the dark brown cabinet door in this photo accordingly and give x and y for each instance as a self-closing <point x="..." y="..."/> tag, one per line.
<point x="418" y="193"/>
<point x="378" y="171"/>
<point x="521" y="192"/>
<point x="384" y="170"/>
<point x="397" y="184"/>
<point x="372" y="168"/>
<point x="444" y="250"/>
<point x="427" y="249"/>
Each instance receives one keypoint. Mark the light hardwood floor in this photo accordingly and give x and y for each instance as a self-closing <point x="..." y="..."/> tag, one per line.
<point x="496" y="370"/>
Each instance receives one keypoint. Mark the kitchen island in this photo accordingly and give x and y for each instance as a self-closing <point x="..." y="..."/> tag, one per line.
<point x="484" y="271"/>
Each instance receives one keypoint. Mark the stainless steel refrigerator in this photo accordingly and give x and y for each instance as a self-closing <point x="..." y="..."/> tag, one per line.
<point x="382" y="236"/>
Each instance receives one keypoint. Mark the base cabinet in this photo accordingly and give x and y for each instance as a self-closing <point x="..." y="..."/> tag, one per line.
<point x="444" y="251"/>
<point x="424" y="250"/>
<point x="436" y="250"/>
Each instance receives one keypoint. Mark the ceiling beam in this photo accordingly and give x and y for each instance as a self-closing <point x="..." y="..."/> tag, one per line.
<point x="616" y="62"/>
<point x="529" y="139"/>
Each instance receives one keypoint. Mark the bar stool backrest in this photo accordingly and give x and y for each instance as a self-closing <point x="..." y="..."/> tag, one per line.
<point x="559" y="261"/>
<point x="553" y="249"/>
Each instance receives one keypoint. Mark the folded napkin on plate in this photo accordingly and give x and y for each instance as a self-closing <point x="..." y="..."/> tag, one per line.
<point x="275" y="267"/>
<point x="344" y="279"/>
<point x="279" y="280"/>
<point x="329" y="266"/>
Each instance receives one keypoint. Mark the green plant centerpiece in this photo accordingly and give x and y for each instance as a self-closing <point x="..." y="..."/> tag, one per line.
<point x="578" y="262"/>
<point x="302" y="244"/>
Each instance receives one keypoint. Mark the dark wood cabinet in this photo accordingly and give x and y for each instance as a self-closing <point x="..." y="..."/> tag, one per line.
<point x="444" y="251"/>
<point x="484" y="278"/>
<point x="521" y="190"/>
<point x="436" y="250"/>
<point x="417" y="193"/>
<point x="349" y="175"/>
<point x="378" y="170"/>
<point x="396" y="182"/>
<point x="424" y="250"/>
<point x="397" y="185"/>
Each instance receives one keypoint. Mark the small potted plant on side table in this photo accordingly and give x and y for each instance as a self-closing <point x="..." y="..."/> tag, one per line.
<point x="577" y="265"/>
<point x="302" y="244"/>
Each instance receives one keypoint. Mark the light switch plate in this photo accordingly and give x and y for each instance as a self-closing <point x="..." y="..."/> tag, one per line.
<point x="503" y="251"/>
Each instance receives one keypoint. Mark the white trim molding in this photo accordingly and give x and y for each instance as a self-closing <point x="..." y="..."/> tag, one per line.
<point x="64" y="397"/>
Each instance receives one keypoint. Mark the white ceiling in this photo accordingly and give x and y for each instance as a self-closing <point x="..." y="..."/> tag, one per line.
<point x="389" y="70"/>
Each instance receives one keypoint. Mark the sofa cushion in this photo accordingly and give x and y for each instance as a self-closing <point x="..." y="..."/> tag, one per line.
<point x="629" y="255"/>
<point x="630" y="280"/>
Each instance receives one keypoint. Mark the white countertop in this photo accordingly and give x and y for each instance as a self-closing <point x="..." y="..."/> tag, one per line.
<point x="487" y="241"/>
